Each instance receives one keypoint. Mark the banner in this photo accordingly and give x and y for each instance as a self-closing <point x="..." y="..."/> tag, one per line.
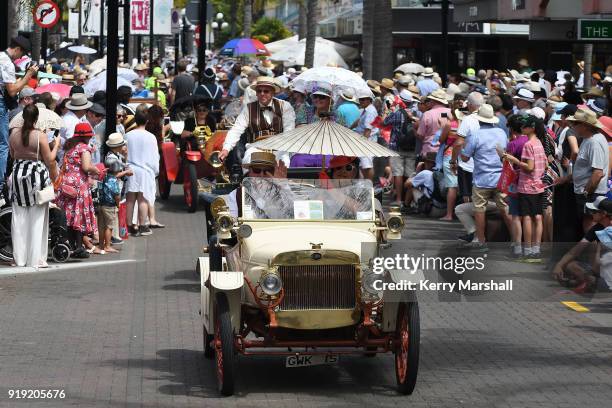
<point x="90" y="17"/>
<point x="73" y="25"/>
<point x="162" y="17"/>
<point x="140" y="18"/>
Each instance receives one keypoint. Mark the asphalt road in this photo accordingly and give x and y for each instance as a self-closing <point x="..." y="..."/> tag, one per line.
<point x="124" y="331"/>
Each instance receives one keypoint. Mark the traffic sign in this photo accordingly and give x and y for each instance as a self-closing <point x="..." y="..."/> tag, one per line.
<point x="192" y="11"/>
<point x="176" y="21"/>
<point x="46" y="14"/>
<point x="595" y="30"/>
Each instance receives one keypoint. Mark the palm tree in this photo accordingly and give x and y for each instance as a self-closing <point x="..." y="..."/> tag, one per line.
<point x="302" y="20"/>
<point x="311" y="32"/>
<point x="382" y="44"/>
<point x="247" y="19"/>
<point x="367" y="37"/>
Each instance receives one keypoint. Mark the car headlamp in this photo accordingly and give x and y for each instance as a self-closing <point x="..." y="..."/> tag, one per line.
<point x="271" y="284"/>
<point x="369" y="282"/>
<point x="225" y="222"/>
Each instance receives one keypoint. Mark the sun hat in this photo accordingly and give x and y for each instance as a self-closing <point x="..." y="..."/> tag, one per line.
<point x="558" y="108"/>
<point x="141" y="67"/>
<point x="537" y="112"/>
<point x="486" y="114"/>
<point x="387" y="83"/>
<point x="585" y="116"/>
<point x="244" y="83"/>
<point x="533" y="86"/>
<point x="524" y="94"/>
<point x="428" y="72"/>
<point x="363" y="93"/>
<point x="115" y="140"/>
<point x="322" y="90"/>
<point x="594" y="92"/>
<point x="606" y="125"/>
<point x="374" y="86"/>
<point x="261" y="159"/>
<point x="406" y="96"/>
<point x="266" y="81"/>
<point x="26" y="92"/>
<point x="209" y="73"/>
<point x="78" y="102"/>
<point x="299" y="88"/>
<point x="598" y="105"/>
<point x="348" y="95"/>
<point x="83" y="130"/>
<point x="453" y="89"/>
<point x="439" y="96"/>
<point x="97" y="108"/>
<point x="405" y="80"/>
<point x="340" y="161"/>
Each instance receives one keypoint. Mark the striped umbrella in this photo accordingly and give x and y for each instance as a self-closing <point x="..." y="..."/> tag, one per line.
<point x="324" y="137"/>
<point x="244" y="46"/>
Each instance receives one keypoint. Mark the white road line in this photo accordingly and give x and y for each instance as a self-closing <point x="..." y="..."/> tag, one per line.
<point x="13" y="270"/>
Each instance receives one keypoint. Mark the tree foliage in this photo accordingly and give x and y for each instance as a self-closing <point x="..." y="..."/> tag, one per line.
<point x="270" y="29"/>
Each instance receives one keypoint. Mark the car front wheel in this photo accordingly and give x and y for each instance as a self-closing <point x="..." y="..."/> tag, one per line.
<point x="407" y="349"/>
<point x="224" y="346"/>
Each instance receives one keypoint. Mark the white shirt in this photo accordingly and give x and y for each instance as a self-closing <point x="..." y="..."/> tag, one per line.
<point x="368" y="115"/>
<point x="244" y="119"/>
<point x="468" y="124"/>
<point x="66" y="132"/>
<point x="7" y="69"/>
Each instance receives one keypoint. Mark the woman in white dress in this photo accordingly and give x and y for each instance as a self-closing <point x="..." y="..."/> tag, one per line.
<point x="143" y="158"/>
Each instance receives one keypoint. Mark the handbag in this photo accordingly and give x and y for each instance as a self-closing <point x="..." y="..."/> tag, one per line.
<point x="47" y="194"/>
<point x="508" y="180"/>
<point x="59" y="185"/>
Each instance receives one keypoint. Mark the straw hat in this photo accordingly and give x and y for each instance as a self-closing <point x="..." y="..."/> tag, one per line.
<point x="373" y="85"/>
<point x="268" y="64"/>
<point x="141" y="67"/>
<point x="486" y="114"/>
<point x="524" y="94"/>
<point x="261" y="159"/>
<point x="245" y="70"/>
<point x="243" y="83"/>
<point x="405" y="80"/>
<point x="587" y="117"/>
<point x="266" y="81"/>
<point x="348" y="95"/>
<point x="387" y="84"/>
<point x="115" y="140"/>
<point x="78" y="102"/>
<point x="594" y="92"/>
<point x="606" y="125"/>
<point x="439" y="96"/>
<point x="428" y="72"/>
<point x="523" y="62"/>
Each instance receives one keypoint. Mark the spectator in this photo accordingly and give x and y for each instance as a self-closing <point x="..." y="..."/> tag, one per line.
<point x="109" y="199"/>
<point x="74" y="193"/>
<point x="364" y="127"/>
<point x="591" y="167"/>
<point x="524" y="101"/>
<point x="448" y="137"/>
<point x="481" y="146"/>
<point x="26" y="97"/>
<point x="9" y="88"/>
<point x="427" y="85"/>
<point x="95" y="117"/>
<point x="496" y="102"/>
<point x="297" y="98"/>
<point x="32" y="160"/>
<point x="437" y="107"/>
<point x="77" y="110"/>
<point x="117" y="157"/>
<point x="347" y="111"/>
<point x="182" y="84"/>
<point x="124" y="93"/>
<point x="144" y="162"/>
<point x="210" y="90"/>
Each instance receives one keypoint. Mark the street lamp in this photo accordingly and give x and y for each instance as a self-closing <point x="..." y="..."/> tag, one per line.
<point x="219" y="24"/>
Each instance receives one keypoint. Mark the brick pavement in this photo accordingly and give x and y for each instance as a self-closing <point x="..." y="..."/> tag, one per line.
<point x="129" y="335"/>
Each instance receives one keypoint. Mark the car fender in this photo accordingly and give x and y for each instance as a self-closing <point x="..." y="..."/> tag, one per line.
<point x="230" y="283"/>
<point x="393" y="300"/>
<point x="203" y="267"/>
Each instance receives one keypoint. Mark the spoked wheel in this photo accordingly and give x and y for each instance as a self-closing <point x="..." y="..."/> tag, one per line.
<point x="162" y="181"/>
<point x="224" y="346"/>
<point x="6" y="242"/>
<point x="407" y="350"/>
<point x="60" y="253"/>
<point x="190" y="187"/>
<point x="209" y="351"/>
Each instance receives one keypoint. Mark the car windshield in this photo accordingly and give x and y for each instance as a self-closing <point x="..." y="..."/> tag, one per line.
<point x="288" y="199"/>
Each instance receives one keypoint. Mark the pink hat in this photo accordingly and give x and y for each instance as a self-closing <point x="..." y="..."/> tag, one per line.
<point x="606" y="122"/>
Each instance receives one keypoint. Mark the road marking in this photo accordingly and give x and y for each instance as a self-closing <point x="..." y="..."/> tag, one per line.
<point x="576" y="306"/>
<point x="13" y="270"/>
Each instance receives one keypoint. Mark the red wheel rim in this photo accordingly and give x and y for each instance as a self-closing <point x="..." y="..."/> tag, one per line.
<point x="218" y="353"/>
<point x="401" y="354"/>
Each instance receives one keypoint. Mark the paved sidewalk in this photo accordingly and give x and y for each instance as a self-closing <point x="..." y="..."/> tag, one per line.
<point x="129" y="335"/>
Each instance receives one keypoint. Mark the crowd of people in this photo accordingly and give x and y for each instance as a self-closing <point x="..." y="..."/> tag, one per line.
<point x="522" y="150"/>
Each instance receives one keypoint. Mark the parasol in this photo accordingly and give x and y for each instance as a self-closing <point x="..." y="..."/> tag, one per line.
<point x="324" y="138"/>
<point x="81" y="49"/>
<point x="62" y="90"/>
<point x="325" y="55"/>
<point x="47" y="119"/>
<point x="347" y="53"/>
<point x="338" y="78"/>
<point x="244" y="46"/>
<point x="410" y="68"/>
<point x="98" y="83"/>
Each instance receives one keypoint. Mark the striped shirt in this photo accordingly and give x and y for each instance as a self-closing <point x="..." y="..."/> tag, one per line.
<point x="27" y="178"/>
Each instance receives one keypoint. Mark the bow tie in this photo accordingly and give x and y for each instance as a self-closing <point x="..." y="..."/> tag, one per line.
<point x="265" y="108"/>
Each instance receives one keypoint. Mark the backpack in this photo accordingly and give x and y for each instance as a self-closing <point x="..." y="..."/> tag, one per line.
<point x="407" y="138"/>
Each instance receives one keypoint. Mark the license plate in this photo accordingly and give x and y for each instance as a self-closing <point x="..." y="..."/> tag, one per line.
<point x="306" y="360"/>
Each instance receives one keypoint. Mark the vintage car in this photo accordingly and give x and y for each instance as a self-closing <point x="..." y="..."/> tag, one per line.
<point x="291" y="276"/>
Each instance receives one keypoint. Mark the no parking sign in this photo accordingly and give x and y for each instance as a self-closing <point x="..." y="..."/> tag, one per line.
<point x="46" y="14"/>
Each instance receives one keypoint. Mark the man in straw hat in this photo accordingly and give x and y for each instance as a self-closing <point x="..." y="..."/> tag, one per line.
<point x="77" y="110"/>
<point x="482" y="146"/>
<point x="437" y="108"/>
<point x="265" y="117"/>
<point x="591" y="168"/>
<point x="427" y="85"/>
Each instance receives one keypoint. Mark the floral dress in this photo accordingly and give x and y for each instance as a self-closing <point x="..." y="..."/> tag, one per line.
<point x="80" y="213"/>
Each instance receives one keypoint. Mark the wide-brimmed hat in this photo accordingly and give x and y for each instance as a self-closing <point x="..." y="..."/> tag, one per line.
<point x="524" y="94"/>
<point x="266" y="81"/>
<point x="598" y="105"/>
<point x="594" y="92"/>
<point x="428" y="72"/>
<point x="83" y="130"/>
<point x="340" y="161"/>
<point x="533" y="86"/>
<point x="387" y="84"/>
<point x="299" y="88"/>
<point x="209" y="73"/>
<point x="268" y="64"/>
<point x="373" y="85"/>
<point x="322" y="90"/>
<point x="244" y="83"/>
<point x="606" y="125"/>
<point x="141" y="67"/>
<point x="97" y="108"/>
<point x="363" y="94"/>
<point x="405" y="80"/>
<point x="261" y="159"/>
<point x="585" y="116"/>
<point x="453" y="89"/>
<point x="115" y="140"/>
<point x="348" y="95"/>
<point x="486" y="114"/>
<point x="439" y="96"/>
<point x="537" y="112"/>
<point x="406" y="96"/>
<point x="78" y="102"/>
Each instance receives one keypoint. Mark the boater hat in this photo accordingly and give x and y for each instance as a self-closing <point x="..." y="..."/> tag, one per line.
<point x="261" y="159"/>
<point x="115" y="140"/>
<point x="78" y="102"/>
<point x="439" y="96"/>
<point x="266" y="81"/>
<point x="486" y="114"/>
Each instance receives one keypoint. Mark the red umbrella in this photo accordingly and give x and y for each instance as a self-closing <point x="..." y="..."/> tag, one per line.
<point x="62" y="90"/>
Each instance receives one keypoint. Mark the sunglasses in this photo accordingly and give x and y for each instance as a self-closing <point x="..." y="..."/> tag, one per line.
<point x="98" y="115"/>
<point x="255" y="170"/>
<point x="348" y="167"/>
<point x="317" y="96"/>
<point x="119" y="116"/>
<point x="263" y="91"/>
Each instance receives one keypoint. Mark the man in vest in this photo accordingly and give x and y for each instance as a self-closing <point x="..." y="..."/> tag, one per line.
<point x="258" y="120"/>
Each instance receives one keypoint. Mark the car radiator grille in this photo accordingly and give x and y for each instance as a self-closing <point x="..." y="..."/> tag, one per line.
<point x="310" y="287"/>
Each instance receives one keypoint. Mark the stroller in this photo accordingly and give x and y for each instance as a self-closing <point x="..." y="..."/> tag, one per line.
<point x="59" y="245"/>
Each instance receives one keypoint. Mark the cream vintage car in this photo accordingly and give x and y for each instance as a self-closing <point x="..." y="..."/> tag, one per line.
<point x="294" y="278"/>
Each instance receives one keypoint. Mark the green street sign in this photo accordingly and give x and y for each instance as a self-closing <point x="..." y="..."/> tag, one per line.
<point x="595" y="30"/>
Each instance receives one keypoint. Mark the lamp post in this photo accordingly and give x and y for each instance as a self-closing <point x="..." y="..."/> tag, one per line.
<point x="202" y="47"/>
<point x="216" y="26"/>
